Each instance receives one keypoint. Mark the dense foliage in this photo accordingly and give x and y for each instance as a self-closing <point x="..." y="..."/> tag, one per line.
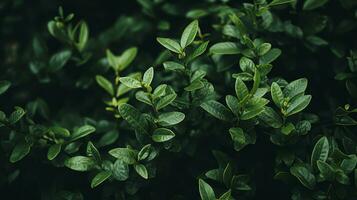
<point x="178" y="99"/>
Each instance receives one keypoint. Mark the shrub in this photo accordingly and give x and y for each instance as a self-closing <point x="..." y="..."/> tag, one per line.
<point x="212" y="99"/>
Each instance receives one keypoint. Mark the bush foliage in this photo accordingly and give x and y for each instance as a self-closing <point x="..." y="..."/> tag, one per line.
<point x="160" y="99"/>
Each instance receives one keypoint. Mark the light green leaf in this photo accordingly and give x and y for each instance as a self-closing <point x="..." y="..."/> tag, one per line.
<point x="53" y="151"/>
<point x="120" y="170"/>
<point x="141" y="170"/>
<point x="100" y="178"/>
<point x="241" y="89"/>
<point x="264" y="48"/>
<point x="246" y="65"/>
<point x="144" y="152"/>
<point x="82" y="132"/>
<point x="320" y="151"/>
<point x="298" y="104"/>
<point x="80" y="163"/>
<point x="189" y="34"/>
<point x="143" y="97"/>
<point x="165" y="101"/>
<point x="148" y="76"/>
<point x="217" y="110"/>
<point x="173" y="66"/>
<point x="162" y="135"/>
<point x="199" y="50"/>
<point x="83" y="36"/>
<point x="225" y="48"/>
<point x="295" y="88"/>
<point x="20" y="151"/>
<point x="130" y="82"/>
<point x="233" y="104"/>
<point x="195" y="85"/>
<point x="270" y="56"/>
<point x="170" y="44"/>
<point x="206" y="191"/>
<point x="277" y="94"/>
<point x="126" y="155"/>
<point x="326" y="170"/>
<point x="105" y="84"/>
<point x="126" y="58"/>
<point x="170" y="118"/>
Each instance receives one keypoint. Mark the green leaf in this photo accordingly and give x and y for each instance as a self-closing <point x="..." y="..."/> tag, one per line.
<point x="83" y="36"/>
<point x="279" y="2"/>
<point x="320" y="151"/>
<point x="270" y="56"/>
<point x="120" y="170"/>
<point x="195" y="85"/>
<point x="206" y="191"/>
<point x="256" y="83"/>
<point x="173" y="66"/>
<point x="20" y="151"/>
<point x="16" y="115"/>
<point x="233" y="104"/>
<point x="238" y="138"/>
<point x="162" y="135"/>
<point x="254" y="107"/>
<point x="126" y="58"/>
<point x="133" y="117"/>
<point x="226" y="196"/>
<point x="277" y="94"/>
<point x="295" y="88"/>
<point x="148" y="76"/>
<point x="241" y="89"/>
<point x="59" y="60"/>
<point x="225" y="48"/>
<point x="228" y="175"/>
<point x="80" y="163"/>
<point x="93" y="151"/>
<point x="271" y="118"/>
<point x="165" y="101"/>
<point x="199" y="50"/>
<point x="246" y="64"/>
<point x="326" y="170"/>
<point x="53" y="151"/>
<point x="217" y="110"/>
<point x="239" y="24"/>
<point x="105" y="84"/>
<point x="304" y="175"/>
<point x="100" y="178"/>
<point x="82" y="132"/>
<point x="141" y="170"/>
<point x="143" y="97"/>
<point x="189" y="34"/>
<point x="60" y="131"/>
<point x="126" y="155"/>
<point x="170" y="44"/>
<point x="298" y="104"/>
<point x="144" y="152"/>
<point x="170" y="118"/>
<point x="264" y="48"/>
<point x="313" y="4"/>
<point x="130" y="82"/>
<point x="4" y="86"/>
